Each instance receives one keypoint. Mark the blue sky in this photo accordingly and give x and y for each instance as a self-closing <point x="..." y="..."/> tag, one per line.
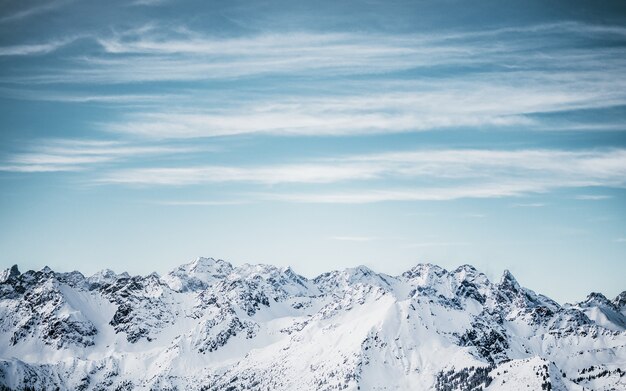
<point x="139" y="135"/>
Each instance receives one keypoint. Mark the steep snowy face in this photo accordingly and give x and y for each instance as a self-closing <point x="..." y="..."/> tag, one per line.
<point x="9" y="273"/>
<point x="361" y="277"/>
<point x="144" y="306"/>
<point x="36" y="307"/>
<point x="104" y="277"/>
<point x="197" y="275"/>
<point x="276" y="283"/>
<point x="620" y="302"/>
<point x="603" y="311"/>
<point x="518" y="304"/>
<point x="450" y="288"/>
<point x="209" y="325"/>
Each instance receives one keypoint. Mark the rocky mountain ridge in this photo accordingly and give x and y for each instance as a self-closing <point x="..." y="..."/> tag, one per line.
<point x="210" y="325"/>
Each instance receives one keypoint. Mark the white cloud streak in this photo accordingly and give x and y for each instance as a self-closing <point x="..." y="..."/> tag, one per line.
<point x="524" y="71"/>
<point x="482" y="190"/>
<point x="43" y="7"/>
<point x="155" y="53"/>
<point x="354" y="238"/>
<point x="607" y="165"/>
<point x="148" y="2"/>
<point x="75" y="155"/>
<point x="297" y="173"/>
<point x="34" y="49"/>
<point x="458" y="174"/>
<point x="153" y="39"/>
<point x="590" y="197"/>
<point x="128" y="100"/>
<point x="477" y="102"/>
<point x="473" y="215"/>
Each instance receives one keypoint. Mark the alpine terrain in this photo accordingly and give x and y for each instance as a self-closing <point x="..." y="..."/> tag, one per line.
<point x="207" y="325"/>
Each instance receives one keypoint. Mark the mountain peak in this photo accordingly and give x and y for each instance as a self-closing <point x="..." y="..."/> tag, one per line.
<point x="423" y="270"/>
<point x="197" y="274"/>
<point x="204" y="265"/>
<point x="597" y="298"/>
<point x="508" y="279"/>
<point x="12" y="272"/>
<point x="203" y="261"/>
<point x="104" y="273"/>
<point x="360" y="270"/>
<point x="466" y="272"/>
<point x="509" y="286"/>
<point x="47" y="270"/>
<point x="620" y="300"/>
<point x="466" y="268"/>
<point x="105" y="276"/>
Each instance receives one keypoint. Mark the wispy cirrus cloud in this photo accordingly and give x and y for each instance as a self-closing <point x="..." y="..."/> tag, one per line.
<point x="524" y="71"/>
<point x="56" y="155"/>
<point x="158" y="53"/>
<point x="296" y="173"/>
<point x="42" y="7"/>
<point x="148" y="2"/>
<point x="299" y="122"/>
<point x="35" y="48"/>
<point x="128" y="100"/>
<point x="593" y="197"/>
<point x="481" y="101"/>
<point x="190" y="59"/>
<point x="411" y="194"/>
<point x="457" y="174"/>
<point x="447" y="45"/>
<point x="486" y="101"/>
<point x="604" y="166"/>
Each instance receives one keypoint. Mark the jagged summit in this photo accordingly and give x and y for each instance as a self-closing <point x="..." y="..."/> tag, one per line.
<point x="47" y="270"/>
<point x="620" y="301"/>
<point x="210" y="325"/>
<point x="202" y="264"/>
<point x="598" y="299"/>
<point x="105" y="276"/>
<point x="197" y="275"/>
<point x="12" y="272"/>
<point x="603" y="311"/>
<point x="422" y="269"/>
<point x="508" y="281"/>
<point x="466" y="269"/>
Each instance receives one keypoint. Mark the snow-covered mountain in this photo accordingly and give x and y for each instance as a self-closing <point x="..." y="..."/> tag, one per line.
<point x="208" y="325"/>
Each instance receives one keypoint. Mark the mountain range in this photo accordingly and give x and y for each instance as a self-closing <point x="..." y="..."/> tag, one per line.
<point x="208" y="325"/>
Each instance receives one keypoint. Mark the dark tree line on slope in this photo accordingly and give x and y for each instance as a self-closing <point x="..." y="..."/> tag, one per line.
<point x="466" y="379"/>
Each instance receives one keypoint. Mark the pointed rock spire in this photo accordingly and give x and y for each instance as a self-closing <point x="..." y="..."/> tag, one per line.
<point x="14" y="271"/>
